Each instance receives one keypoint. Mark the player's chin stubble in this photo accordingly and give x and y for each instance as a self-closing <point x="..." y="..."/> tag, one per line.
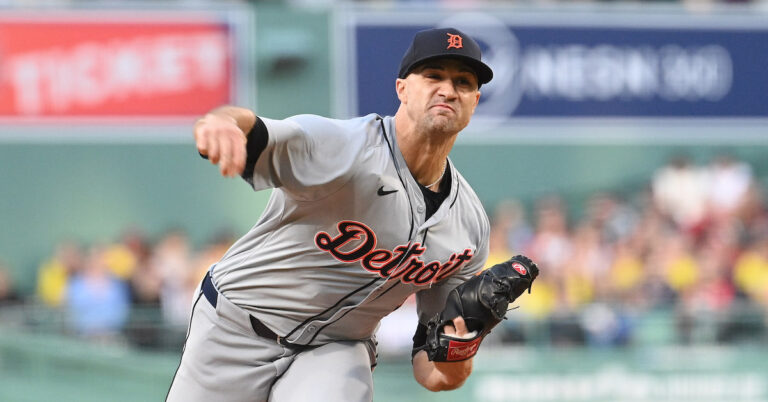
<point x="440" y="124"/>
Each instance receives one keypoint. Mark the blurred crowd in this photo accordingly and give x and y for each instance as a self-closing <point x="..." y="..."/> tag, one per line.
<point x="690" y="248"/>
<point x="131" y="289"/>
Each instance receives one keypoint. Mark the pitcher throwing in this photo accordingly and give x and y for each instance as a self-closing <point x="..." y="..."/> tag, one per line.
<point x="364" y="213"/>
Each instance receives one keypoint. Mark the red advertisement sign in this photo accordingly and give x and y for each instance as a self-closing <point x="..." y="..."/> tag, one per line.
<point x="91" y="68"/>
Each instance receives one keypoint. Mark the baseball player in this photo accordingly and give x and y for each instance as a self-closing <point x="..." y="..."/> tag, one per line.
<point x="364" y="213"/>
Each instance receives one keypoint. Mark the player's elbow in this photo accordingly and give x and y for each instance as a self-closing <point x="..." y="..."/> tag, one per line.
<point x="457" y="377"/>
<point x="450" y="385"/>
<point x="437" y="378"/>
<point x="446" y="384"/>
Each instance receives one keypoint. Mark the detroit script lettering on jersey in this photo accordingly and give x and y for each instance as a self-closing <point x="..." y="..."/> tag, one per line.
<point x="357" y="242"/>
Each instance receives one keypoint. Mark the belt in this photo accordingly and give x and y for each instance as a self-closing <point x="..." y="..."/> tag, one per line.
<point x="210" y="293"/>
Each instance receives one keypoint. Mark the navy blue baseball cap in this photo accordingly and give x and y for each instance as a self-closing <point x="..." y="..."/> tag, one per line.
<point x="445" y="42"/>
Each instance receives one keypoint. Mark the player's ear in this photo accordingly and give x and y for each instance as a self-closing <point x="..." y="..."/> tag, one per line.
<point x="400" y="84"/>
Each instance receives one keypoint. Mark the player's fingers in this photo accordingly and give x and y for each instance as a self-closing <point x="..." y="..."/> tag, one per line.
<point x="225" y="154"/>
<point x="201" y="142"/>
<point x="238" y="158"/>
<point x="235" y="153"/>
<point x="213" y="148"/>
<point x="238" y="155"/>
<point x="460" y="326"/>
<point x="198" y="133"/>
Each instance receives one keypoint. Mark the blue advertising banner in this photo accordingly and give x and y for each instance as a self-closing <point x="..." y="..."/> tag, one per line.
<point x="594" y="69"/>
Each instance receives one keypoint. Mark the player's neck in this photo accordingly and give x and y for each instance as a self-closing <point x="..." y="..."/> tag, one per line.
<point x="424" y="154"/>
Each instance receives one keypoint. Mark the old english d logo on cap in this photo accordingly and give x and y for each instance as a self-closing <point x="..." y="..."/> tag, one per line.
<point x="454" y="41"/>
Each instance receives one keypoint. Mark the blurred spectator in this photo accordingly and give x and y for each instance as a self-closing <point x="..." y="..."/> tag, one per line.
<point x="750" y="273"/>
<point x="587" y="265"/>
<point x="8" y="294"/>
<point x="510" y="218"/>
<point x="146" y="280"/>
<point x="53" y="275"/>
<point x="136" y="241"/>
<point x="210" y="254"/>
<point x="605" y="325"/>
<point x="124" y="256"/>
<point x="172" y="260"/>
<point x="97" y="302"/>
<point x="626" y="274"/>
<point x="551" y="243"/>
<point x="729" y="181"/>
<point x="498" y="251"/>
<point x="146" y="284"/>
<point x="676" y="262"/>
<point x="615" y="218"/>
<point x="680" y="191"/>
<point x="541" y="303"/>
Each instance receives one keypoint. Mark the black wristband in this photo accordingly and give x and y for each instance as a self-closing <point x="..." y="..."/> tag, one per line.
<point x="257" y="141"/>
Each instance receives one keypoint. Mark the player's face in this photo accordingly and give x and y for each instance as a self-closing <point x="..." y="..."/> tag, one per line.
<point x="440" y="96"/>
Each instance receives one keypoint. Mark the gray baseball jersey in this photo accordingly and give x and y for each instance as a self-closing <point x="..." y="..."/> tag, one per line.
<point x="343" y="240"/>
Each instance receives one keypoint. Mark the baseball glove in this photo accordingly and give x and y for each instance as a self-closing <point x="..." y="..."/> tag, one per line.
<point x="482" y="301"/>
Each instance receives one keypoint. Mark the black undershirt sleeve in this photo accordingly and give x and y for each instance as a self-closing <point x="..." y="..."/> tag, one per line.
<point x="257" y="142"/>
<point x="419" y="339"/>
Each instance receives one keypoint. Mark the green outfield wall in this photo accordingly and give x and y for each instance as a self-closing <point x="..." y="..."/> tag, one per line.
<point x="37" y="368"/>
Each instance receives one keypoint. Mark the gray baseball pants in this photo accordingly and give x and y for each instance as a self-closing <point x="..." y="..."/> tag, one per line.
<point x="225" y="360"/>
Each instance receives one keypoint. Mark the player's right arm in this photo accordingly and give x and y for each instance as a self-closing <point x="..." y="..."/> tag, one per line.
<point x="299" y="154"/>
<point x="221" y="137"/>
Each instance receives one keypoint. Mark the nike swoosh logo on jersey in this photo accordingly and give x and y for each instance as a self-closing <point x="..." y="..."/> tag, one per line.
<point x="385" y="192"/>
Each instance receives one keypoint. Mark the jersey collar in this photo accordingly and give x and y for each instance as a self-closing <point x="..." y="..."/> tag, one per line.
<point x="413" y="185"/>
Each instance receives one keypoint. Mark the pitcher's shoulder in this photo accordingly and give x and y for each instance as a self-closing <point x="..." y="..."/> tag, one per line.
<point x="354" y="127"/>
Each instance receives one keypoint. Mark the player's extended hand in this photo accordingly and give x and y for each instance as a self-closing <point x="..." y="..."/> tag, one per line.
<point x="222" y="142"/>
